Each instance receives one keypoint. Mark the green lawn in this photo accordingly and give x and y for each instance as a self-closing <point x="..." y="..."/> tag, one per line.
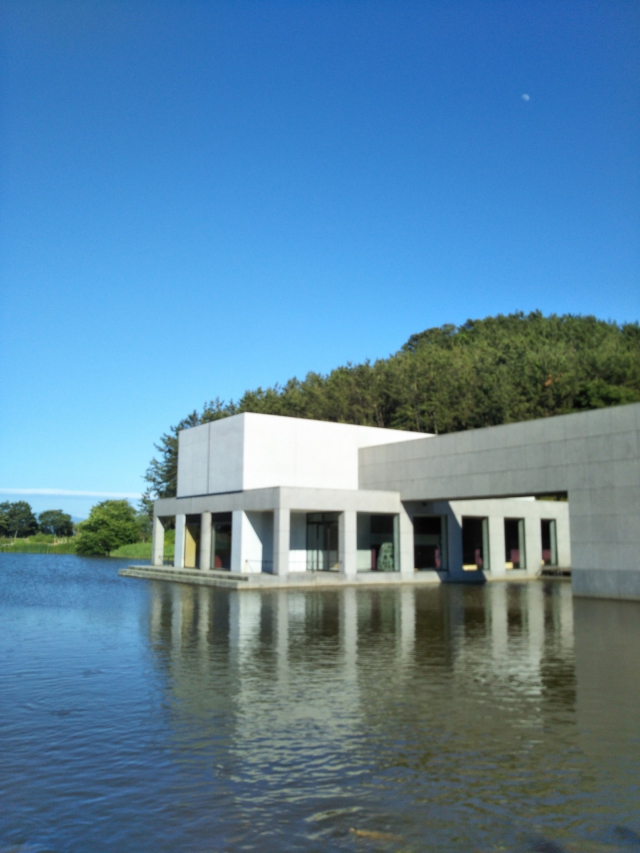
<point x="140" y="551"/>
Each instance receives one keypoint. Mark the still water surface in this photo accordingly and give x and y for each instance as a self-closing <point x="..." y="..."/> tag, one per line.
<point x="146" y="716"/>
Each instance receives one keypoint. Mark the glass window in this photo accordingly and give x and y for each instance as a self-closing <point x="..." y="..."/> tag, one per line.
<point x="475" y="544"/>
<point x="514" y="543"/>
<point x="429" y="542"/>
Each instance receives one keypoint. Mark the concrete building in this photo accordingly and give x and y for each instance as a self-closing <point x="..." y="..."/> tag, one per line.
<point x="272" y="501"/>
<point x="593" y="457"/>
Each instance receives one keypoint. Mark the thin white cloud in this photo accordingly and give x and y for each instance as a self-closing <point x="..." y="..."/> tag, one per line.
<point x="70" y="493"/>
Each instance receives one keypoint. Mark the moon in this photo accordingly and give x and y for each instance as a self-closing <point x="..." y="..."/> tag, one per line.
<point x="526" y="98"/>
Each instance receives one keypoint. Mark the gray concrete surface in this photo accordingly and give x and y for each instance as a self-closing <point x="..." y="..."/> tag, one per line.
<point x="593" y="456"/>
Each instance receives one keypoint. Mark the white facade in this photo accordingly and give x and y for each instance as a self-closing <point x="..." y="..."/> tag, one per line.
<point x="250" y="451"/>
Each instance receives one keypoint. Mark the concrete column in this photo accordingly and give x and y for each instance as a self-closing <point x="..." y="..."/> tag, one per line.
<point x="496" y="546"/>
<point x="181" y="523"/>
<point x="281" y="537"/>
<point x="454" y="543"/>
<point x="157" y="542"/>
<point x="563" y="539"/>
<point x="407" y="568"/>
<point x="533" y="545"/>
<point x="238" y="520"/>
<point x="348" y="543"/>
<point x="205" y="541"/>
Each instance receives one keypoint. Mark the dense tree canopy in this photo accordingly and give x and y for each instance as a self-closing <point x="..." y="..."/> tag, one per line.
<point x="56" y="522"/>
<point x="17" y="519"/>
<point x="110" y="524"/>
<point x="493" y="371"/>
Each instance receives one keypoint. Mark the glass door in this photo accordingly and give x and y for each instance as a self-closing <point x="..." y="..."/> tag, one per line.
<point x="322" y="542"/>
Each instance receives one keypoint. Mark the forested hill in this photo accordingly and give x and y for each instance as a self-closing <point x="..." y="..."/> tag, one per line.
<point x="492" y="371"/>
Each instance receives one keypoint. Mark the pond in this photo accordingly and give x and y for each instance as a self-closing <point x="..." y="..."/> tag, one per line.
<point x="148" y="716"/>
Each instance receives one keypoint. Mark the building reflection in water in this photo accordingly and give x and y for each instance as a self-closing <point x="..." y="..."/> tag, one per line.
<point x="515" y="634"/>
<point x="444" y="695"/>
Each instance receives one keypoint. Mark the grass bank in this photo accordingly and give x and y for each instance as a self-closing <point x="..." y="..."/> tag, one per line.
<point x="39" y="544"/>
<point x="45" y="544"/>
<point x="141" y="551"/>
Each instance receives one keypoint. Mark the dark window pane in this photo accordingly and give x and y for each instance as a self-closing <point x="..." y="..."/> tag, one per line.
<point x="381" y="525"/>
<point x="428" y="525"/>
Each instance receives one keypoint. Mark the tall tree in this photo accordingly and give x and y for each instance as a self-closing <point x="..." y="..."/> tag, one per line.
<point x="17" y="519"/>
<point x="55" y="522"/>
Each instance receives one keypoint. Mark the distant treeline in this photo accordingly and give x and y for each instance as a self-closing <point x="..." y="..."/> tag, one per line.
<point x="113" y="528"/>
<point x="18" y="520"/>
<point x="493" y="371"/>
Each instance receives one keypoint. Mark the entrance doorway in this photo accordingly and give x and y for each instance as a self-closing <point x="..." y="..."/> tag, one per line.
<point x="429" y="542"/>
<point x="322" y="542"/>
<point x="475" y="544"/>
<point x="514" y="555"/>
<point x="221" y="545"/>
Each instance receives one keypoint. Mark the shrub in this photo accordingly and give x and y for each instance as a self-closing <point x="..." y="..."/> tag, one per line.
<point x="110" y="525"/>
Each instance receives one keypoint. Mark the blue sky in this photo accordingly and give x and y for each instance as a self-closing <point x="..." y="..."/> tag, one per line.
<point x="197" y="198"/>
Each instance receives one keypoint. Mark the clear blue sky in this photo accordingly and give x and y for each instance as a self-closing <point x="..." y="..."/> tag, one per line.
<point x="203" y="197"/>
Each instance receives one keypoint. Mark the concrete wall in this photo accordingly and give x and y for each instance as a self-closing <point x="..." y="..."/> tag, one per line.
<point x="251" y="542"/>
<point x="210" y="457"/>
<point x="252" y="451"/>
<point x="301" y="500"/>
<point x="594" y="456"/>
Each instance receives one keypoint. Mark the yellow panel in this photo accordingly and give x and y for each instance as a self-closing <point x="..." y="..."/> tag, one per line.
<point x="190" y="547"/>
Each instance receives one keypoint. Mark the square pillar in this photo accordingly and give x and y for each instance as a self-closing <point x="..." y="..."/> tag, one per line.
<point x="496" y="546"/>
<point x="181" y="524"/>
<point x="405" y="525"/>
<point x="563" y="539"/>
<point x="454" y="543"/>
<point x="238" y="559"/>
<point x="250" y="542"/>
<point x="533" y="546"/>
<point x="348" y="543"/>
<point x="157" y="542"/>
<point x="281" y="536"/>
<point x="205" y="541"/>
